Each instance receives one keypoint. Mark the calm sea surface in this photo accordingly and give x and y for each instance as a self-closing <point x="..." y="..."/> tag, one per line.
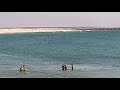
<point x="94" y="54"/>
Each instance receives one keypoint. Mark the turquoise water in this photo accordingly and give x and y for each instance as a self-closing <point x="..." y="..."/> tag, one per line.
<point x="95" y="54"/>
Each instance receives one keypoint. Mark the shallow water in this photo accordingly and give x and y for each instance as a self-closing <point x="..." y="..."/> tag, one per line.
<point x="95" y="54"/>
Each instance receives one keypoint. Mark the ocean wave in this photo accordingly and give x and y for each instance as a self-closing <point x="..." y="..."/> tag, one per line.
<point x="4" y="55"/>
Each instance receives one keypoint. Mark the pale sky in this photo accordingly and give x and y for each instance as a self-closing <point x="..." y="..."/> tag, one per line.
<point x="59" y="19"/>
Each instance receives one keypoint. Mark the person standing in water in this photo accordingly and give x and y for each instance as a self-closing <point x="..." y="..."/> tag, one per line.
<point x="72" y="66"/>
<point x="65" y="67"/>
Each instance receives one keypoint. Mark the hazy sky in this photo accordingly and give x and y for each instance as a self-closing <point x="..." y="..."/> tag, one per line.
<point x="32" y="19"/>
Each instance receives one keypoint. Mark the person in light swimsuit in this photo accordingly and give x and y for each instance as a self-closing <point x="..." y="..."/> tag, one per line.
<point x="23" y="69"/>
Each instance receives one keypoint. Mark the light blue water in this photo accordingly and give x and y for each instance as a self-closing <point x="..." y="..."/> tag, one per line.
<point x="95" y="54"/>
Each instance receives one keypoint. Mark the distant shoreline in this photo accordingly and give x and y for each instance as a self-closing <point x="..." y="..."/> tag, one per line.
<point x="26" y="30"/>
<point x="49" y="29"/>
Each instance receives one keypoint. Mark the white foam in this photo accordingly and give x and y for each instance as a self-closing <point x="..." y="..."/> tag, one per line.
<point x="87" y="67"/>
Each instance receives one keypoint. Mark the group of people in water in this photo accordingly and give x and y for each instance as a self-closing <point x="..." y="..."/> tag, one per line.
<point x="64" y="67"/>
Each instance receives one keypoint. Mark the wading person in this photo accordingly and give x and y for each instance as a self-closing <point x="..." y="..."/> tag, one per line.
<point x="72" y="66"/>
<point x="65" y="67"/>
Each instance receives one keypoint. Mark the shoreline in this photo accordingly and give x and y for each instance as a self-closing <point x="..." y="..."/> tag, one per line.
<point x="12" y="31"/>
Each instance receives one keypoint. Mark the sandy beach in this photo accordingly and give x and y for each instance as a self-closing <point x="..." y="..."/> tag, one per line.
<point x="23" y="30"/>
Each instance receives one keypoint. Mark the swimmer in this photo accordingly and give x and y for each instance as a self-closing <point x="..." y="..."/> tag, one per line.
<point x="23" y="69"/>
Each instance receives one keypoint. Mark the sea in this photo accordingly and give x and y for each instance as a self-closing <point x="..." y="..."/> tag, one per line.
<point x="94" y="54"/>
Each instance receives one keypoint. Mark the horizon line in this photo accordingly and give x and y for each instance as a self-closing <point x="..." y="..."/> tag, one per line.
<point x="60" y="27"/>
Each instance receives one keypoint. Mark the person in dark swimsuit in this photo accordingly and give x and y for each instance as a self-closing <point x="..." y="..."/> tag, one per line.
<point x="72" y="66"/>
<point x="63" y="68"/>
